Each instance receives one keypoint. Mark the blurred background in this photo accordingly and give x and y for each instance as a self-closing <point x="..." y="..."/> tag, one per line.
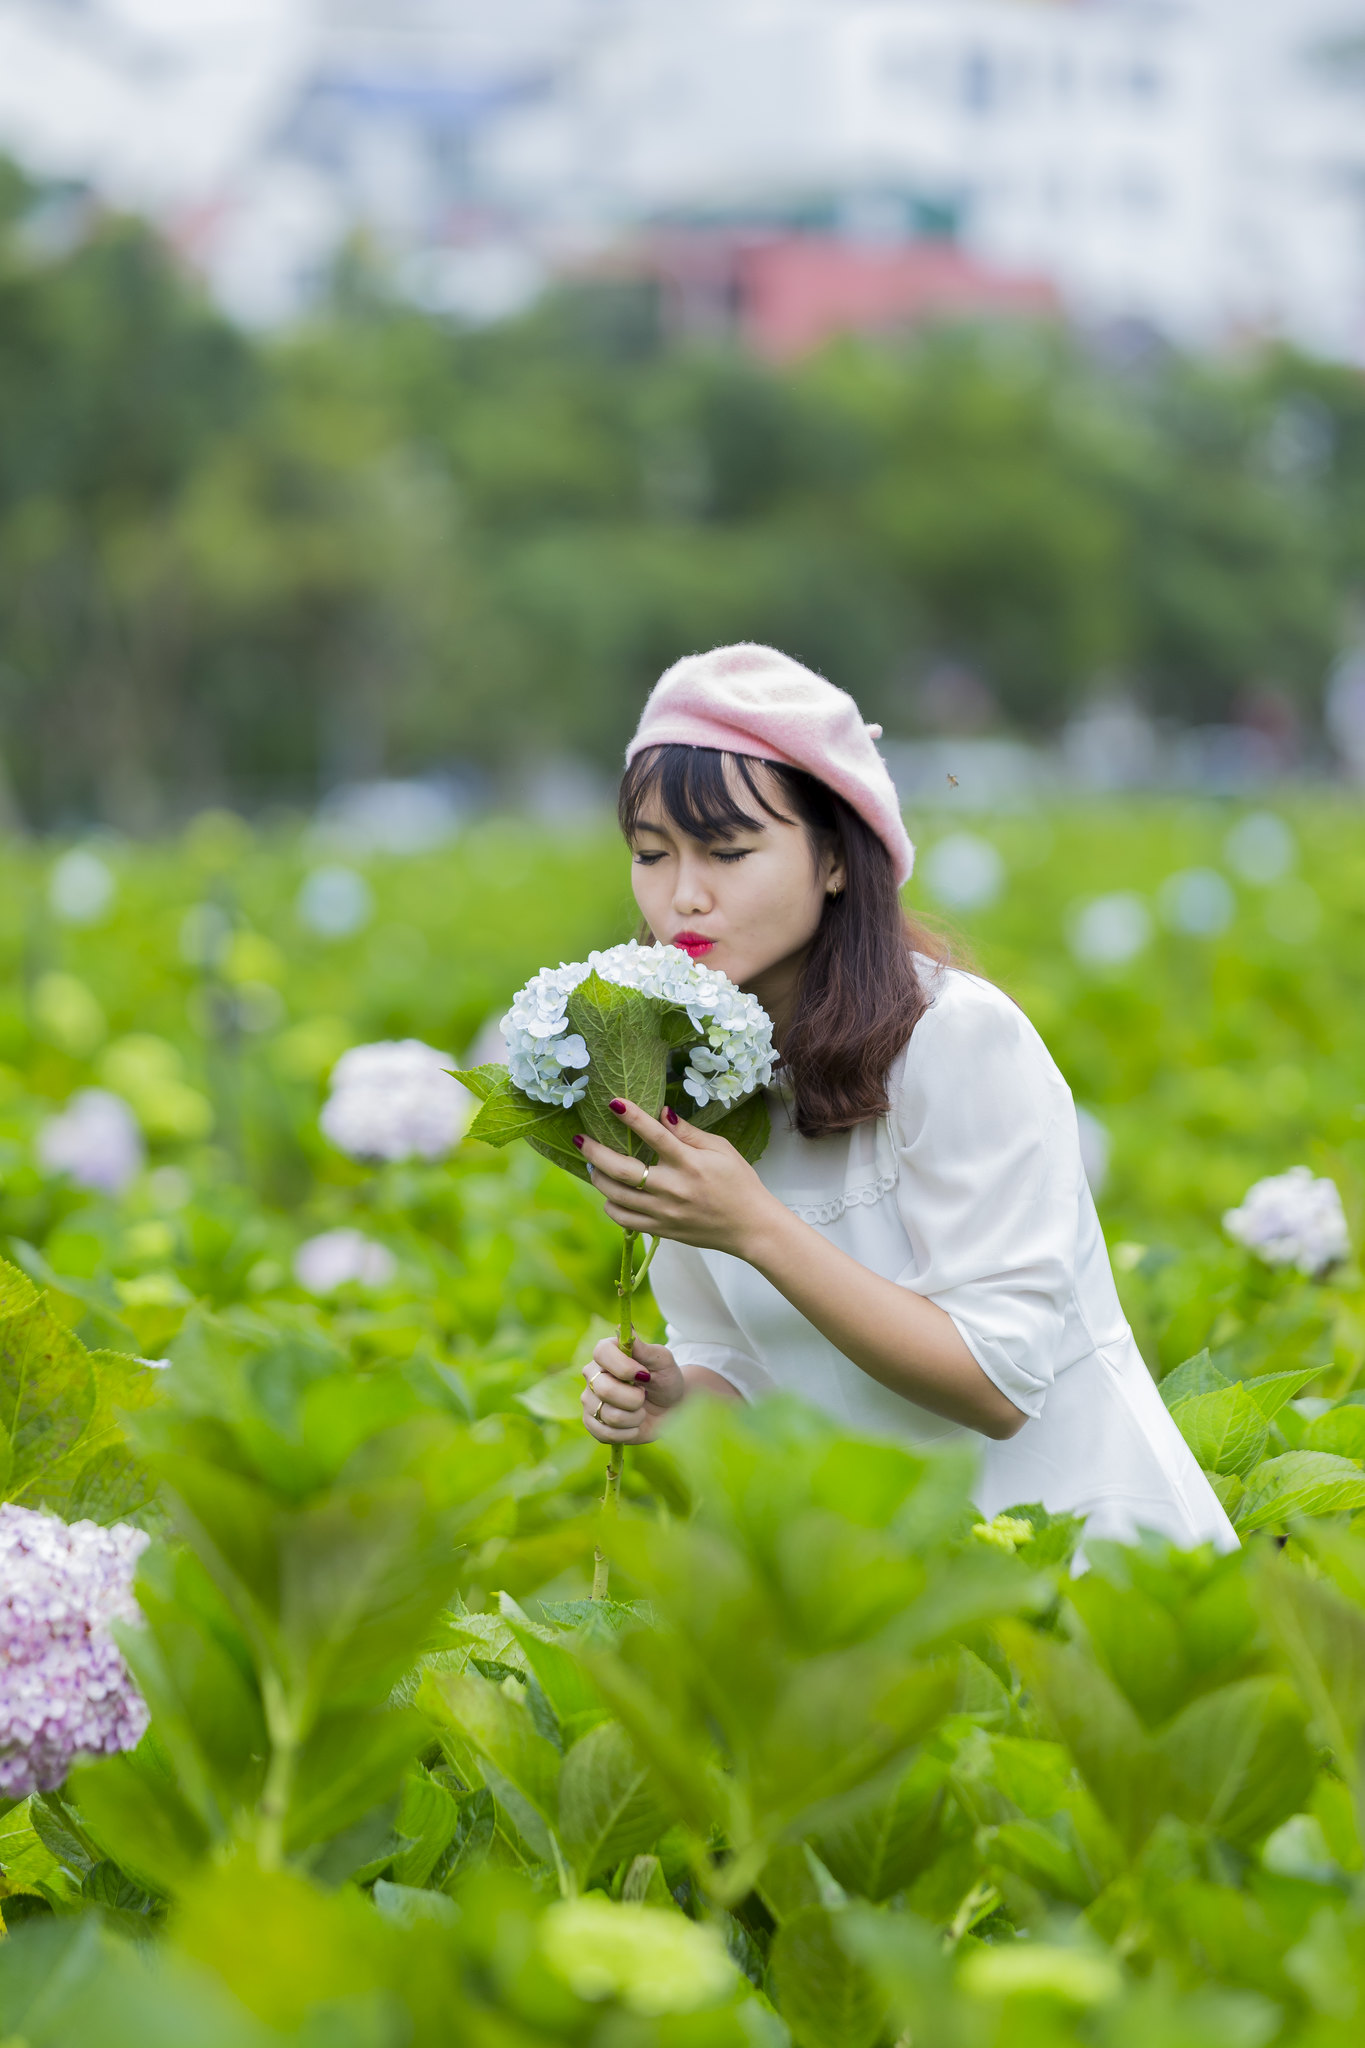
<point x="389" y="389"/>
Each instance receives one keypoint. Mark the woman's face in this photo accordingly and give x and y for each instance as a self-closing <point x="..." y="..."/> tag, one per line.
<point x="747" y="905"/>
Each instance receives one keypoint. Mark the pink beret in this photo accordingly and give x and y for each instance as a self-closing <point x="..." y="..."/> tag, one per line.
<point x="749" y="699"/>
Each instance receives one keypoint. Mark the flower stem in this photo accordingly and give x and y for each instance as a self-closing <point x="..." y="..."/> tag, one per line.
<point x="625" y="1337"/>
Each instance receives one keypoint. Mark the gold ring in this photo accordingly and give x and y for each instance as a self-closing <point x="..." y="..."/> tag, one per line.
<point x="594" y="1376"/>
<point x="597" y="1413"/>
<point x="640" y="1184"/>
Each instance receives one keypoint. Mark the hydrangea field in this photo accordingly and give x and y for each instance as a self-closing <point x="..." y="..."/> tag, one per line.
<point x="310" y="1732"/>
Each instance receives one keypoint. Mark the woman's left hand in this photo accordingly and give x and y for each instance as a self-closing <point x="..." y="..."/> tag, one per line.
<point x="700" y="1191"/>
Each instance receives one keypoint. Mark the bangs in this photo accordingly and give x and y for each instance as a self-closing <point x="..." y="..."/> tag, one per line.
<point x="694" y="791"/>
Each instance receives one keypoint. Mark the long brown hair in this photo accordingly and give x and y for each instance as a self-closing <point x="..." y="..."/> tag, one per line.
<point x="860" y="995"/>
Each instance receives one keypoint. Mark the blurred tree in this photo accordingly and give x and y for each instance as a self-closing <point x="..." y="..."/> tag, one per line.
<point x="241" y="569"/>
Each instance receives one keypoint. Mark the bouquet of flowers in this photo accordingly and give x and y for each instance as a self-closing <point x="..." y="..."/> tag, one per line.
<point x="640" y="1022"/>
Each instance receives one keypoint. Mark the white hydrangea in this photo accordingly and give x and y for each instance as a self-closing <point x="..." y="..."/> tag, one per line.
<point x="549" y="1062"/>
<point x="1292" y="1219"/>
<point x="96" y="1140"/>
<point x="334" y="1257"/>
<point x="395" y="1099"/>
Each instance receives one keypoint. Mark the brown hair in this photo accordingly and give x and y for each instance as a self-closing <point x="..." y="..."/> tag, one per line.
<point x="860" y="995"/>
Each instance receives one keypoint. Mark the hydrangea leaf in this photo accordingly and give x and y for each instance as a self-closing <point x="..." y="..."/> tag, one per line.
<point x="1197" y="1375"/>
<point x="881" y="1848"/>
<point x="1239" y="1758"/>
<point x="746" y="1124"/>
<point x="623" y="1030"/>
<point x="480" y="1081"/>
<point x="507" y="1113"/>
<point x="609" y="1808"/>
<point x="62" y="1443"/>
<point x="823" y="1994"/>
<point x="1271" y="1390"/>
<point x="1299" y="1483"/>
<point x="47" y="1385"/>
<point x="1341" y="1430"/>
<point x="1226" y="1430"/>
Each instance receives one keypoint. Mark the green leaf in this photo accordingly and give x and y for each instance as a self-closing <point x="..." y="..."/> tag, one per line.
<point x="521" y="1767"/>
<point x="480" y="1081"/>
<point x="624" y="1031"/>
<point x="507" y="1113"/>
<point x="428" y="1820"/>
<point x="1320" y="1636"/>
<point x="556" y="1398"/>
<point x="1226" y="1430"/>
<point x="1197" y="1375"/>
<point x="747" y="1125"/>
<point x="350" y="1763"/>
<point x="132" y="1809"/>
<point x="1113" y="1753"/>
<point x="827" y="1999"/>
<point x="472" y="1840"/>
<point x="560" y="1674"/>
<point x="609" y="1805"/>
<point x="192" y="1668"/>
<point x="1040" y="1853"/>
<point x="883" y="1847"/>
<point x="1299" y="1483"/>
<point x="1271" y="1390"/>
<point x="1238" y="1758"/>
<point x="1340" y="1431"/>
<point x="47" y="1388"/>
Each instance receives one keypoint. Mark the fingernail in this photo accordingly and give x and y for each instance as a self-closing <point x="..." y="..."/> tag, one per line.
<point x="642" y="1375"/>
<point x="579" y="1141"/>
<point x="672" y="1115"/>
<point x="617" y="1104"/>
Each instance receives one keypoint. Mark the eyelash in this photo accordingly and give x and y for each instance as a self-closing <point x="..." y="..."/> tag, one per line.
<point x="647" y="860"/>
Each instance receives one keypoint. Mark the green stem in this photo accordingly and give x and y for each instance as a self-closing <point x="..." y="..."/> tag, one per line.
<point x="279" y="1777"/>
<point x="644" y="1267"/>
<point x="625" y="1337"/>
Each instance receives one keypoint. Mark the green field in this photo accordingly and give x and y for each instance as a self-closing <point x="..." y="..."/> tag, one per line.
<point x="837" y="1763"/>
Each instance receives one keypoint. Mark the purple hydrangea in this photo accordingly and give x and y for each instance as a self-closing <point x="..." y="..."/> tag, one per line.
<point x="65" y="1691"/>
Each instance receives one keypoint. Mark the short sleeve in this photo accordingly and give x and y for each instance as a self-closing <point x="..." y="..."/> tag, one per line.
<point x="989" y="1183"/>
<point x="698" y="1327"/>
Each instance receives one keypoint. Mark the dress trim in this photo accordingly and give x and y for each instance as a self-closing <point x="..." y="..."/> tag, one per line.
<point x="851" y="1198"/>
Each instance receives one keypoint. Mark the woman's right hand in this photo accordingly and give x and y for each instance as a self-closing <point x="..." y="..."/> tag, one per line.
<point x="634" y="1393"/>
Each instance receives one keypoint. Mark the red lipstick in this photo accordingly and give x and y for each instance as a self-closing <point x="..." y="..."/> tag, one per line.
<point x="694" y="944"/>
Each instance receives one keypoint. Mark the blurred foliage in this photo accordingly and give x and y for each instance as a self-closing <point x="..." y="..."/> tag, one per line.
<point x="841" y="1763"/>
<point x="235" y="568"/>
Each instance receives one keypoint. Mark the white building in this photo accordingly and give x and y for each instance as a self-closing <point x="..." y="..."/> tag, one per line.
<point x="1197" y="164"/>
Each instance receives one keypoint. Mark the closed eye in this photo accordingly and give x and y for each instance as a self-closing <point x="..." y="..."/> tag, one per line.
<point x="647" y="860"/>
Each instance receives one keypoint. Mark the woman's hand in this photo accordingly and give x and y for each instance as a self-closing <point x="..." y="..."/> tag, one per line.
<point x="632" y="1394"/>
<point x="700" y="1191"/>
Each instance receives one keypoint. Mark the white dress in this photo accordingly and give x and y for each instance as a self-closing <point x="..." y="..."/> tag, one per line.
<point x="970" y="1191"/>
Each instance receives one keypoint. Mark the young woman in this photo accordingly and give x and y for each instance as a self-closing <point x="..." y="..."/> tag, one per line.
<point x="916" y="1251"/>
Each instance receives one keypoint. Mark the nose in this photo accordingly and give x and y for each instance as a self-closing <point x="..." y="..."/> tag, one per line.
<point x="692" y="895"/>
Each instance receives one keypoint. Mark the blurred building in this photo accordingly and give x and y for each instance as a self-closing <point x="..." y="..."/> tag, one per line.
<point x="1197" y="165"/>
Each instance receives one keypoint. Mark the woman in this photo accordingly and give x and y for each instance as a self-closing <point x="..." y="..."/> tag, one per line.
<point x="916" y="1251"/>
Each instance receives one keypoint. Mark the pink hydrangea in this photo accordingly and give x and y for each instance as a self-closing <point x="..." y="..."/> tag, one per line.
<point x="66" y="1692"/>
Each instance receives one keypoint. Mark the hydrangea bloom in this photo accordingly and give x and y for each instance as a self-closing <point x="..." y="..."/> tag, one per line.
<point x="1292" y="1219"/>
<point x="395" y="1100"/>
<point x="66" y="1691"/>
<point x="336" y="1256"/>
<point x="548" y="1062"/>
<point x="96" y="1140"/>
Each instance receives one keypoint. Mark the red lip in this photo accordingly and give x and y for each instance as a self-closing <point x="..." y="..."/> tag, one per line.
<point x="692" y="942"/>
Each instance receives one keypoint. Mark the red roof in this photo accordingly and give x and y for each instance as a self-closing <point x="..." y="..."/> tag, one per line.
<point x="797" y="292"/>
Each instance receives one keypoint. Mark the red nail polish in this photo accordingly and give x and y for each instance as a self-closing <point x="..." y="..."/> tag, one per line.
<point x="579" y="1141"/>
<point x="617" y="1104"/>
<point x="642" y="1375"/>
<point x="672" y="1115"/>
